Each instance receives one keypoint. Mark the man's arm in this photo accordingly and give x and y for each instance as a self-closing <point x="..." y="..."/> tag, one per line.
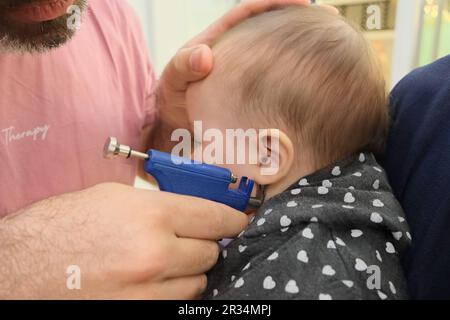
<point x="25" y="245"/>
<point x="125" y="243"/>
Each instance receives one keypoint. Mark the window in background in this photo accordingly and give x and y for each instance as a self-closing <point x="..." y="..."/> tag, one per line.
<point x="382" y="39"/>
<point x="172" y="23"/>
<point x="444" y="42"/>
<point x="201" y="13"/>
<point x="435" y="31"/>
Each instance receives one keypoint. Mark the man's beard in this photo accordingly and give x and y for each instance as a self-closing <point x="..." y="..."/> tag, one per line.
<point x="37" y="37"/>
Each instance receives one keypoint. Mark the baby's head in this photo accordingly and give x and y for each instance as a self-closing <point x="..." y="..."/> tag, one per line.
<point x="305" y="71"/>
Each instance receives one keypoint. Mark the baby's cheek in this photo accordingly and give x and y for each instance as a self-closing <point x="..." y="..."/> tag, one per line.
<point x="239" y="170"/>
<point x="224" y="156"/>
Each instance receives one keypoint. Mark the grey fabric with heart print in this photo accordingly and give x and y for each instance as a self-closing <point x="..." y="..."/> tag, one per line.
<point x="338" y="234"/>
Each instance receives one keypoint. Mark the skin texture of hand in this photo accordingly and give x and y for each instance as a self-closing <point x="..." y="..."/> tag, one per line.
<point x="194" y="62"/>
<point x="128" y="244"/>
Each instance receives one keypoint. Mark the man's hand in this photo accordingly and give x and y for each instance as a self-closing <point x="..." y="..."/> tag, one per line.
<point x="194" y="62"/>
<point x="128" y="244"/>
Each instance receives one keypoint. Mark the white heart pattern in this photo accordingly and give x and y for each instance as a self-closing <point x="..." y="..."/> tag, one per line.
<point x="317" y="206"/>
<point x="285" y="221"/>
<point x="325" y="297"/>
<point x="376" y="218"/>
<point x="392" y="287"/>
<point x="328" y="271"/>
<point x="397" y="235"/>
<point x="242" y="248"/>
<point x="292" y="287"/>
<point x="327" y="184"/>
<point x="303" y="183"/>
<point x="224" y="254"/>
<point x="340" y="242"/>
<point x="239" y="283"/>
<point x="358" y="174"/>
<point x="360" y="265"/>
<point x="349" y="198"/>
<point x="378" y="254"/>
<point x="390" y="248"/>
<point x="331" y="245"/>
<point x="362" y="157"/>
<point x="336" y="171"/>
<point x="357" y="233"/>
<point x="292" y="204"/>
<point x="323" y="191"/>
<point x="215" y="293"/>
<point x="296" y="192"/>
<point x="261" y="222"/>
<point x="247" y="267"/>
<point x="269" y="211"/>
<point x="382" y="295"/>
<point x="314" y="220"/>
<point x="269" y="283"/>
<point x="348" y="283"/>
<point x="308" y="234"/>
<point x="376" y="185"/>
<point x="273" y="257"/>
<point x="303" y="256"/>
<point x="378" y="204"/>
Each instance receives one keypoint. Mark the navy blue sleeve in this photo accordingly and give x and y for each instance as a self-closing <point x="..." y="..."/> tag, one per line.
<point x="417" y="161"/>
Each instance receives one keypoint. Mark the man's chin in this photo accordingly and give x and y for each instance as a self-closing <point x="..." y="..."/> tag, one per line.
<point x="36" y="37"/>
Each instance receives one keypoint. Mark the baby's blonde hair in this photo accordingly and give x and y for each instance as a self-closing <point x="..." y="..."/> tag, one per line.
<point x="312" y="71"/>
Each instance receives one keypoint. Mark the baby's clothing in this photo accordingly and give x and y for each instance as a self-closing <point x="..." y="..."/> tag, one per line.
<point x="337" y="234"/>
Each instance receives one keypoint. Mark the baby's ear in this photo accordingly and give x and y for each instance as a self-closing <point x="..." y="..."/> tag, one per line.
<point x="276" y="157"/>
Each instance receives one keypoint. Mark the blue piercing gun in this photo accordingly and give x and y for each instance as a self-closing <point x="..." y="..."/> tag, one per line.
<point x="186" y="177"/>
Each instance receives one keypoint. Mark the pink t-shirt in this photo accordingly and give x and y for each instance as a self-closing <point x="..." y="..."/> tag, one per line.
<point x="58" y="108"/>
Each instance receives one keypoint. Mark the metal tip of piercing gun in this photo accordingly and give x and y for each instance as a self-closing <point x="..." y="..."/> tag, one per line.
<point x="186" y="177"/>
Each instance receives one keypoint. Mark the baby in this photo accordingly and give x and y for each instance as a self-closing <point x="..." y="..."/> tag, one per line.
<point x="330" y="227"/>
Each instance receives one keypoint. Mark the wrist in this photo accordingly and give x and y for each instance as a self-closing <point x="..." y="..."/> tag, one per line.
<point x="26" y="255"/>
<point x="12" y="269"/>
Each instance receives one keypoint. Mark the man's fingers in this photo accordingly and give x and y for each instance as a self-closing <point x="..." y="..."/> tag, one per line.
<point x="191" y="257"/>
<point x="188" y="288"/>
<point x="238" y="14"/>
<point x="205" y="220"/>
<point x="188" y="65"/>
<point x="195" y="218"/>
<point x="195" y="61"/>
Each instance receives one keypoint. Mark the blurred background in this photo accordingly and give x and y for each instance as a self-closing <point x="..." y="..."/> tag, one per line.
<point x="412" y="33"/>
